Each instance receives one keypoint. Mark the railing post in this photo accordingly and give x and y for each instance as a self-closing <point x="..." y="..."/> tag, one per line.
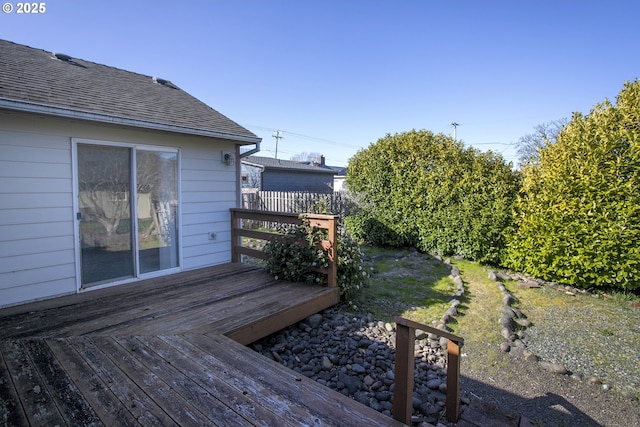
<point x="453" y="381"/>
<point x="403" y="389"/>
<point x="332" y="279"/>
<point x="235" y="256"/>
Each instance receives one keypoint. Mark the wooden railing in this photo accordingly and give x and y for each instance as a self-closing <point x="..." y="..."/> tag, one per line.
<point x="328" y="222"/>
<point x="405" y="363"/>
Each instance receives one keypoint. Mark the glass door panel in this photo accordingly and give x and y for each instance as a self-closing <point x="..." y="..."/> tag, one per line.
<point x="157" y="204"/>
<point x="104" y="201"/>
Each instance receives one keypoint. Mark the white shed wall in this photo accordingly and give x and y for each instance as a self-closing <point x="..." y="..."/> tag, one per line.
<point x="37" y="218"/>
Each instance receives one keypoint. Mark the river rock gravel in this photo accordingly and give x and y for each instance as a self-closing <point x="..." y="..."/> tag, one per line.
<point x="354" y="354"/>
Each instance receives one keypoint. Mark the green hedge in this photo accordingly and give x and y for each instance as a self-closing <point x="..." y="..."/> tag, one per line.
<point x="426" y="190"/>
<point x="578" y="217"/>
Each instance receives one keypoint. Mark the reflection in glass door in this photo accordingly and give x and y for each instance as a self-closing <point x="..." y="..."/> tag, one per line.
<point x="113" y="246"/>
<point x="157" y="205"/>
<point x="104" y="187"/>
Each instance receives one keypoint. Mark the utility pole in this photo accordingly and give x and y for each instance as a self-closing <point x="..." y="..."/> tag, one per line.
<point x="455" y="128"/>
<point x="278" y="137"/>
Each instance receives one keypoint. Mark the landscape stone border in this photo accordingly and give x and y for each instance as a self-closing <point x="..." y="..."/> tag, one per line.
<point x="514" y="324"/>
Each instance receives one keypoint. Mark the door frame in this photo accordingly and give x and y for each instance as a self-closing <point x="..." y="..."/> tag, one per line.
<point x="134" y="226"/>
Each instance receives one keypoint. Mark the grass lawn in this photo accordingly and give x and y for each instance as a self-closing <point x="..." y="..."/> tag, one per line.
<point x="406" y="283"/>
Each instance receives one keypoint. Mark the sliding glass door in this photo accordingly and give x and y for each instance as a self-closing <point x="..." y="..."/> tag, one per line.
<point x="127" y="211"/>
<point x="157" y="206"/>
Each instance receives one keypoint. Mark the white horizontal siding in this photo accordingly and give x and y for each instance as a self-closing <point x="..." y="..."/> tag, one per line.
<point x="208" y="196"/>
<point x="198" y="234"/>
<point x="200" y="259"/>
<point x="34" y="290"/>
<point x="42" y="185"/>
<point x="48" y="274"/>
<point x="44" y="170"/>
<point x="12" y="264"/>
<point x="30" y="246"/>
<point x="37" y="200"/>
<point x="208" y="192"/>
<point x="203" y="250"/>
<point x="207" y="175"/>
<point x="198" y="186"/>
<point x="207" y="218"/>
<point x="39" y="150"/>
<point x="36" y="216"/>
<point x="200" y="208"/>
<point x="35" y="231"/>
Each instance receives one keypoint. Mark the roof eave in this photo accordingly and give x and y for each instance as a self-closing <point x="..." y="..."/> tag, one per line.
<point x="51" y="110"/>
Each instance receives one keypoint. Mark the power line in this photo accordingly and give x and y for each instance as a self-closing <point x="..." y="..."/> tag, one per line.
<point x="299" y="135"/>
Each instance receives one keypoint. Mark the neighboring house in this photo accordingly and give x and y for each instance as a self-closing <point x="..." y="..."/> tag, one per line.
<point x="339" y="183"/>
<point x="269" y="174"/>
<point x="107" y="176"/>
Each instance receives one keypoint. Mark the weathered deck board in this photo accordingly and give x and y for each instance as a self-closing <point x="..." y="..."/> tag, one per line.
<point x="166" y="397"/>
<point x="106" y="405"/>
<point x="325" y="406"/>
<point x="68" y="400"/>
<point x="192" y="367"/>
<point x="11" y="413"/>
<point x="167" y="370"/>
<point x="130" y="395"/>
<point x="255" y="326"/>
<point x="39" y="407"/>
<point x="206" y="310"/>
<point x="240" y="385"/>
<point x="179" y="314"/>
<point x="155" y="353"/>
<point x="95" y="312"/>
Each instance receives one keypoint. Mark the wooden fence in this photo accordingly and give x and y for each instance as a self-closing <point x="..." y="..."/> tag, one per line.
<point x="337" y="203"/>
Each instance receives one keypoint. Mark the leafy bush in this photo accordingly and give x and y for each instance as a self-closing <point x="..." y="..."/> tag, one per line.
<point x="293" y="255"/>
<point x="296" y="253"/>
<point x="427" y="190"/>
<point x="578" y="216"/>
<point x="368" y="230"/>
<point x="352" y="275"/>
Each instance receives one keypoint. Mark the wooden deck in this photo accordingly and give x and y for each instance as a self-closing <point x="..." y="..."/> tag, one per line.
<point x="166" y="351"/>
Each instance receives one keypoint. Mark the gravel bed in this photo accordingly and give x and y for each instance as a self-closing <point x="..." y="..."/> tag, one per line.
<point x="591" y="344"/>
<point x="354" y="354"/>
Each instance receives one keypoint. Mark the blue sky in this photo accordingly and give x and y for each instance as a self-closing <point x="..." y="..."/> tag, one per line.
<point x="335" y="76"/>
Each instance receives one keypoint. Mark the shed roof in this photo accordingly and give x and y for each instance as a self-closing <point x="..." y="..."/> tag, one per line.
<point x="271" y="163"/>
<point x="38" y="81"/>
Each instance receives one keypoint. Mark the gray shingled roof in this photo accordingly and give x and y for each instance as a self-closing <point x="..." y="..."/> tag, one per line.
<point x="271" y="163"/>
<point x="34" y="80"/>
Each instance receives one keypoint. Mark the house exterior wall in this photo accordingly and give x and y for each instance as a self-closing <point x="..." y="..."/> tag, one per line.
<point x="339" y="183"/>
<point x="291" y="180"/>
<point x="37" y="218"/>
